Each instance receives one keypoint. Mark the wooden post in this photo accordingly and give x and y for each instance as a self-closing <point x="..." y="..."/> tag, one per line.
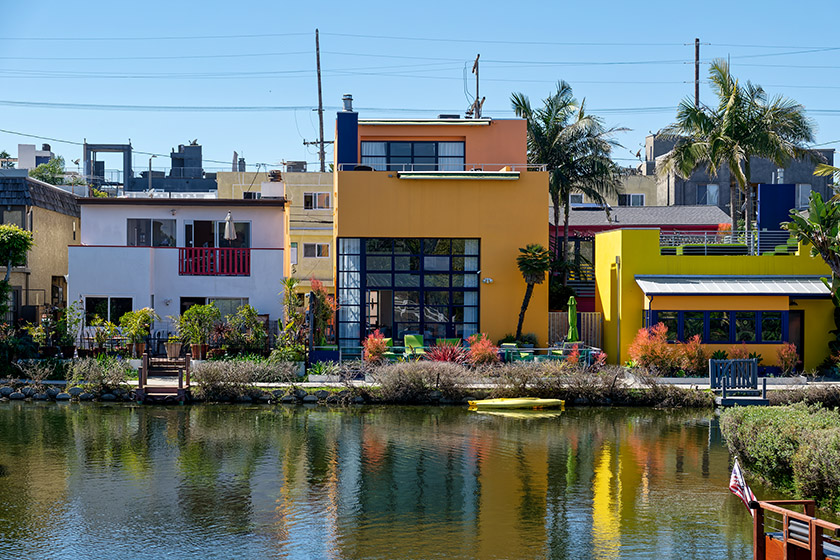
<point x="759" y="545"/>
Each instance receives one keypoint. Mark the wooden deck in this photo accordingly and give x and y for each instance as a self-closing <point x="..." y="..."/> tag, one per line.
<point x="780" y="533"/>
<point x="163" y="380"/>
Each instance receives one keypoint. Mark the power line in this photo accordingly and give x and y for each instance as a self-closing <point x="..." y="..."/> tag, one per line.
<point x="162" y="38"/>
<point x="172" y="57"/>
<point x="498" y="42"/>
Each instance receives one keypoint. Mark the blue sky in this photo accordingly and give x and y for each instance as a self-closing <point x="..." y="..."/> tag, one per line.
<point x="633" y="62"/>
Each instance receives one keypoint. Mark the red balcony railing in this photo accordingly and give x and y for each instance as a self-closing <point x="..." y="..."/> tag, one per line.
<point x="214" y="261"/>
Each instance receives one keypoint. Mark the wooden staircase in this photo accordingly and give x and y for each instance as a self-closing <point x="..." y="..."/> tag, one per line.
<point x="163" y="380"/>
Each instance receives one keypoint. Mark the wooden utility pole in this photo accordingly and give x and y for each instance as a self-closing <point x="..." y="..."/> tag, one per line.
<point x="475" y="108"/>
<point x="320" y="103"/>
<point x="696" y="73"/>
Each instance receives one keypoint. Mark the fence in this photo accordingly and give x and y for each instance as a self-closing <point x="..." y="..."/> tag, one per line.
<point x="590" y="327"/>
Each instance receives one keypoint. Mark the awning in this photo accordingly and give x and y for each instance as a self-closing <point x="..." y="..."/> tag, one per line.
<point x="802" y="286"/>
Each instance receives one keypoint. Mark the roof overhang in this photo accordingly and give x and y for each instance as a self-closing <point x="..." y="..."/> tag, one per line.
<point x="793" y="286"/>
<point x="426" y="122"/>
<point x="177" y="201"/>
<point x="460" y="175"/>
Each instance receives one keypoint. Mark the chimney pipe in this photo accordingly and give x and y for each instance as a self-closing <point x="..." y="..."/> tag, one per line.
<point x="348" y="102"/>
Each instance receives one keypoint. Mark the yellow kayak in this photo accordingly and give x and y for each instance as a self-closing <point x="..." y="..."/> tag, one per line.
<point x="522" y="402"/>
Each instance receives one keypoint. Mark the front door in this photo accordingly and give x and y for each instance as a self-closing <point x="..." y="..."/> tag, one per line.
<point x="796" y="331"/>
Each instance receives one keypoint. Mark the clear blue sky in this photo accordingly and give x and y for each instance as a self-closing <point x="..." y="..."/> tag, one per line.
<point x="633" y="62"/>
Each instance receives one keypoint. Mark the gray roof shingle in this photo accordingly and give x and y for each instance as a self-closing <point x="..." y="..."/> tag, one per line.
<point x="18" y="190"/>
<point x="646" y="216"/>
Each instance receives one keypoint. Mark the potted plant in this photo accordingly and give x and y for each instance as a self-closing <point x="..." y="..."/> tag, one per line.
<point x="197" y="323"/>
<point x="173" y="346"/>
<point x="68" y="326"/>
<point x="136" y="326"/>
<point x="104" y="331"/>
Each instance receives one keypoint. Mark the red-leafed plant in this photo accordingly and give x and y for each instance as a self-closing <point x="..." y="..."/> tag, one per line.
<point x="599" y="360"/>
<point x="788" y="357"/>
<point x="739" y="352"/>
<point x="374" y="347"/>
<point x="447" y="352"/>
<point x="482" y="350"/>
<point x="574" y="356"/>
<point x="694" y="358"/>
<point x="651" y="351"/>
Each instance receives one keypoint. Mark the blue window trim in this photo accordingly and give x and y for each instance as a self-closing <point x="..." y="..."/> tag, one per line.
<point x="652" y="318"/>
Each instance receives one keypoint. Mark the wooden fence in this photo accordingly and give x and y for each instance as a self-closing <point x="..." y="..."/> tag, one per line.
<point x="590" y="327"/>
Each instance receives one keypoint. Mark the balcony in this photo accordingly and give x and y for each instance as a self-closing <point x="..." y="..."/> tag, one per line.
<point x="214" y="261"/>
<point x="705" y="243"/>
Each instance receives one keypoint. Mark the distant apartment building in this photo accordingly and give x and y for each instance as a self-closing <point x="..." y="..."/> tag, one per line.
<point x="52" y="215"/>
<point x="635" y="190"/>
<point x="29" y="157"/>
<point x="714" y="190"/>
<point x="310" y="206"/>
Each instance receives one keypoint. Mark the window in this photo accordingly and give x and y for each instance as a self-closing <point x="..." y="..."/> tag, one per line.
<point x="708" y="195"/>
<point x="294" y="248"/>
<point x="576" y="198"/>
<point x="693" y="324"/>
<point x="631" y="199"/>
<point x="745" y="326"/>
<point x="228" y="306"/>
<point x="771" y="326"/>
<point x="671" y="320"/>
<point x="144" y="232"/>
<point x="316" y="250"/>
<point x="106" y="308"/>
<point x="803" y="195"/>
<point x="250" y="195"/>
<point x="413" y="156"/>
<point x="13" y="216"/>
<point x="718" y="326"/>
<point x="243" y="235"/>
<point x="316" y="201"/>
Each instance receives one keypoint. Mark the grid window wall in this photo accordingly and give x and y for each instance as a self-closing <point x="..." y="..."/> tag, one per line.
<point x="413" y="156"/>
<point x="407" y="286"/>
<point x="723" y="327"/>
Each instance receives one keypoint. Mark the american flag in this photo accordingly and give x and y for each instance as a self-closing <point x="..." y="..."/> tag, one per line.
<point x="739" y="487"/>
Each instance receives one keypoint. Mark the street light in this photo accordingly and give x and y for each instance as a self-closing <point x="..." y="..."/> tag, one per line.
<point x="150" y="173"/>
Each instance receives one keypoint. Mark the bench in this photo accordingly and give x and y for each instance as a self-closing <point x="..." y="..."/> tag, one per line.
<point x="736" y="376"/>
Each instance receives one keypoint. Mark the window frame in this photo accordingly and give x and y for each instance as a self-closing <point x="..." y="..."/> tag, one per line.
<point x="318" y="251"/>
<point x="293" y="252"/>
<point x="108" y="307"/>
<point x="706" y="194"/>
<point x="385" y="162"/>
<point x="151" y="229"/>
<point x="629" y="197"/>
<point x="576" y="198"/>
<point x="312" y="200"/>
<point x="652" y="318"/>
<point x="798" y="194"/>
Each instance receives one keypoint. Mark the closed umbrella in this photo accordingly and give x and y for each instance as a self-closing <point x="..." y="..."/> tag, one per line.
<point x="573" y="335"/>
<point x="230" y="230"/>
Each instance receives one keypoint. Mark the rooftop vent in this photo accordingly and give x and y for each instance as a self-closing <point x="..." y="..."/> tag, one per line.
<point x="348" y="102"/>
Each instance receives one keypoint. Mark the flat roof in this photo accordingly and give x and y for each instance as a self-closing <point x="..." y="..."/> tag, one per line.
<point x="807" y="286"/>
<point x="462" y="122"/>
<point x="226" y="202"/>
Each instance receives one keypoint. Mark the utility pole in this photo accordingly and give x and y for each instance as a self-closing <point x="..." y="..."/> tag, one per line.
<point x="696" y="73"/>
<point x="320" y="102"/>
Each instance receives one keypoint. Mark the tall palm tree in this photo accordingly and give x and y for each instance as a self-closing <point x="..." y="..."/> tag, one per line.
<point x="744" y="124"/>
<point x="533" y="263"/>
<point x="576" y="150"/>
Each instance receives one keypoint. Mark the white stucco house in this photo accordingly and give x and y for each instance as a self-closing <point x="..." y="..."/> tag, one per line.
<point x="170" y="253"/>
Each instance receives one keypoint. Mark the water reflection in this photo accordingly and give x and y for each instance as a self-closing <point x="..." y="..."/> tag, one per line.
<point x="275" y="482"/>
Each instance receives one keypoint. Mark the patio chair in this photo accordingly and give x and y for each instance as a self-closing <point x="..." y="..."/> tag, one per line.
<point x="512" y="353"/>
<point x="414" y="344"/>
<point x="390" y="355"/>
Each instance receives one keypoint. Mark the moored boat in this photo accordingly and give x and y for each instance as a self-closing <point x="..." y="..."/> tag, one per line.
<point x="517" y="403"/>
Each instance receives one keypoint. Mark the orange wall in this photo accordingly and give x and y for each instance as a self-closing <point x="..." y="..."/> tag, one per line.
<point x="718" y="303"/>
<point x="501" y="141"/>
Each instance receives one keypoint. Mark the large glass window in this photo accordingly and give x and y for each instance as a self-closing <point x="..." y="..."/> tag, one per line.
<point x="106" y="308"/>
<point x="745" y="326"/>
<point x="693" y="324"/>
<point x="409" y="286"/>
<point x="413" y="156"/>
<point x="718" y="326"/>
<point x="671" y="320"/>
<point x="771" y="326"/>
<point x="145" y="232"/>
<point x="243" y="235"/>
<point x="708" y="195"/>
<point x="725" y="326"/>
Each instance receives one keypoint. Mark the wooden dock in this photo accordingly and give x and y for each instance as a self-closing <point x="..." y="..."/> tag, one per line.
<point x="780" y="533"/>
<point x="163" y="380"/>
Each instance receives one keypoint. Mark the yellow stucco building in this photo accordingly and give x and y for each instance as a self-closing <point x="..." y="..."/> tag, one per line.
<point x="52" y="215"/>
<point x="430" y="216"/>
<point x="310" y="212"/>
<point x="759" y="300"/>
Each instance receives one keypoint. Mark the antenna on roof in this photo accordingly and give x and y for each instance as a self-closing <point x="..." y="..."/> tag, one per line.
<point x="475" y="108"/>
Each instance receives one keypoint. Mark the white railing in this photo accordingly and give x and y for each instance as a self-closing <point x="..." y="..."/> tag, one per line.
<point x="764" y="242"/>
<point x="420" y="167"/>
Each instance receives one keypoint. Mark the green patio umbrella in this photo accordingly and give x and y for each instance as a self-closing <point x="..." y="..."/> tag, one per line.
<point x="573" y="335"/>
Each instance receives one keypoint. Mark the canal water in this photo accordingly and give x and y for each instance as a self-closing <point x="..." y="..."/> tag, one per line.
<point x="90" y="481"/>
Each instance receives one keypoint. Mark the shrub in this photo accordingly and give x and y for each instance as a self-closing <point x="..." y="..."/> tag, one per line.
<point x="573" y="358"/>
<point x="482" y="350"/>
<point x="247" y="330"/>
<point x="227" y="379"/>
<point x="373" y="347"/>
<point x="410" y="382"/>
<point x="197" y="323"/>
<point x="788" y="358"/>
<point x="719" y="355"/>
<point x="38" y="371"/>
<point x="294" y="352"/>
<point x="651" y="351"/>
<point x="739" y="352"/>
<point x="693" y="356"/>
<point x="816" y="467"/>
<point x="447" y="352"/>
<point x="98" y="374"/>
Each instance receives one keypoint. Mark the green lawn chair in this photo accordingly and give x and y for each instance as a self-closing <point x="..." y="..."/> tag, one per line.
<point x="512" y="353"/>
<point x="414" y="345"/>
<point x="390" y="355"/>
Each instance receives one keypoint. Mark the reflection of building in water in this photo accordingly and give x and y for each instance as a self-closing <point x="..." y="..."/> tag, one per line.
<point x="606" y="499"/>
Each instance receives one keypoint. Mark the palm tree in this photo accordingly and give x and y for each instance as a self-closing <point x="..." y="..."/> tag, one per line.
<point x="576" y="148"/>
<point x="744" y="124"/>
<point x="533" y="263"/>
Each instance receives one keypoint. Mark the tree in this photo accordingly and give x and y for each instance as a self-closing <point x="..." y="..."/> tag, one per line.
<point x="744" y="124"/>
<point x="51" y="172"/>
<point x="4" y="164"/>
<point x="533" y="263"/>
<point x="820" y="227"/>
<point x="15" y="243"/>
<point x="576" y="148"/>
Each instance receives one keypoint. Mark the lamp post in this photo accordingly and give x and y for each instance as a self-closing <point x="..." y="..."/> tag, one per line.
<point x="150" y="173"/>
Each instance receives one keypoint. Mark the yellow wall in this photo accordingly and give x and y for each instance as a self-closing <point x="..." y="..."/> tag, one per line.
<point x="52" y="233"/>
<point x="504" y="215"/>
<point x="622" y="302"/>
<point x="303" y="226"/>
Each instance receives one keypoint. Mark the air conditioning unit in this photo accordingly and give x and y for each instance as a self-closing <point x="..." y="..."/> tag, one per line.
<point x="295" y="166"/>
